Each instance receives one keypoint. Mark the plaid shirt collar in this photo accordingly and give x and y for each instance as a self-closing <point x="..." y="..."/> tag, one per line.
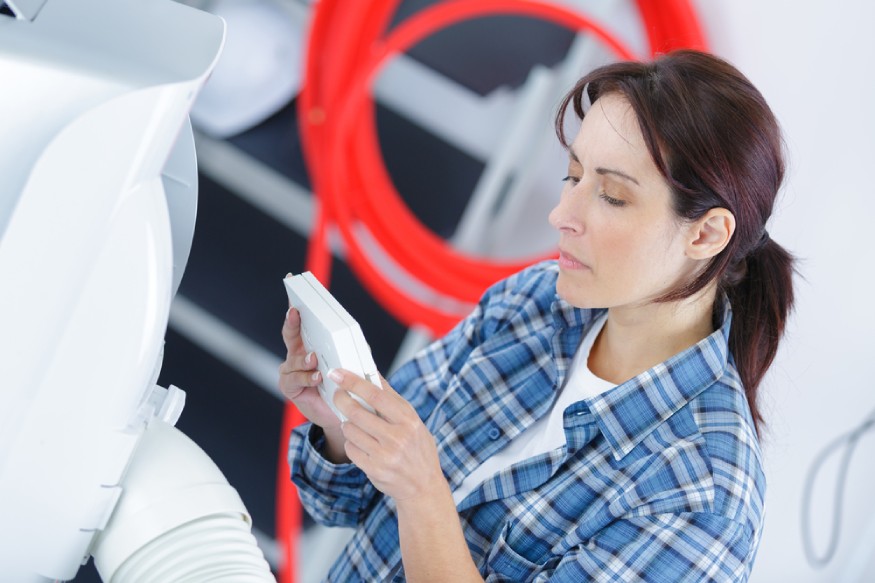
<point x="627" y="414"/>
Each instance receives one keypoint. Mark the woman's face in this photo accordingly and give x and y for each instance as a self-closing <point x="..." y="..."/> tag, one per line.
<point x="621" y="245"/>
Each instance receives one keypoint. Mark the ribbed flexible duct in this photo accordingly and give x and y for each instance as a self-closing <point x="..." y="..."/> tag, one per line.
<point x="178" y="520"/>
<point x="214" y="548"/>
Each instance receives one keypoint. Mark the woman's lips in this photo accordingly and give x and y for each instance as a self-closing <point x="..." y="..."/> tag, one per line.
<point x="570" y="262"/>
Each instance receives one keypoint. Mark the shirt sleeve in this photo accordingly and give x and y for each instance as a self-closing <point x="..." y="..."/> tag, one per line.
<point x="662" y="548"/>
<point x="333" y="494"/>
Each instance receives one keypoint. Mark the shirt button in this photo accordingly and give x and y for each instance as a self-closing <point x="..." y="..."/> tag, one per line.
<point x="494" y="433"/>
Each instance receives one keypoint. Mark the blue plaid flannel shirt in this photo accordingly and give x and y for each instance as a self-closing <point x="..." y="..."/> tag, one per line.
<point x="660" y="479"/>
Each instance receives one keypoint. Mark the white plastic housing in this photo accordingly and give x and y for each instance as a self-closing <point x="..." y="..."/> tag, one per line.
<point x="259" y="71"/>
<point x="328" y="330"/>
<point x="94" y="95"/>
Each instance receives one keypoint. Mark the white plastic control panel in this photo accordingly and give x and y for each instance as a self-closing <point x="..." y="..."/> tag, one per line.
<point x="328" y="330"/>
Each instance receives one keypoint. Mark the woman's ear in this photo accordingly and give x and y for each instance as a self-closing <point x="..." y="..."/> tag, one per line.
<point x="710" y="234"/>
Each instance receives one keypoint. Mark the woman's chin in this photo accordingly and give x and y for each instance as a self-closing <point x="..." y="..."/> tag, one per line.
<point x="574" y="295"/>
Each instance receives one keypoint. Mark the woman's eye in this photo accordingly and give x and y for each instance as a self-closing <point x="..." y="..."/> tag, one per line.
<point x="612" y="201"/>
<point x="571" y="179"/>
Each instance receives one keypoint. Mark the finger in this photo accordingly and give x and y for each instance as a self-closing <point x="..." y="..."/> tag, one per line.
<point x="386" y="401"/>
<point x="299" y="362"/>
<point x="403" y="408"/>
<point x="358" y="386"/>
<point x="358" y="457"/>
<point x="387" y="387"/>
<point x="360" y="438"/>
<point x="292" y="380"/>
<point x="292" y="332"/>
<point x="292" y="387"/>
<point x="365" y="419"/>
<point x="288" y="275"/>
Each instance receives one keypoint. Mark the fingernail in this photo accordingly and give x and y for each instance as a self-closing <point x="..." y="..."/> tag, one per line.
<point x="315" y="376"/>
<point x="289" y="311"/>
<point x="308" y="359"/>
<point x="335" y="375"/>
<point x="289" y="274"/>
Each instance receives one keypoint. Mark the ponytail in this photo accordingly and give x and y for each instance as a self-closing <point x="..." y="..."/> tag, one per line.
<point x="761" y="300"/>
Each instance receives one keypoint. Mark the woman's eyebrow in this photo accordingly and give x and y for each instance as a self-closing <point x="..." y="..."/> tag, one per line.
<point x="602" y="171"/>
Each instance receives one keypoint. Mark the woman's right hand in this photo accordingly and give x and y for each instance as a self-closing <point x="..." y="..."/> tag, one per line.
<point x="299" y="377"/>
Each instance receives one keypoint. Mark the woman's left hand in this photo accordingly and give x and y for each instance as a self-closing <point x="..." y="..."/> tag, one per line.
<point x="392" y="447"/>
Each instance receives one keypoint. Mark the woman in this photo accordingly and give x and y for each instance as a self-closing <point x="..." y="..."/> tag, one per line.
<point x="595" y="417"/>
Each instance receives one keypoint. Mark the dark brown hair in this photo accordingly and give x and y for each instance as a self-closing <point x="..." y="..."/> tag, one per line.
<point x="717" y="143"/>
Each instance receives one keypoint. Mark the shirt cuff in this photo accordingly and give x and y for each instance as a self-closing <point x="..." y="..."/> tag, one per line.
<point x="333" y="494"/>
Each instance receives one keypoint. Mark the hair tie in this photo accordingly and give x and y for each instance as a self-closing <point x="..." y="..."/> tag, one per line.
<point x="764" y="238"/>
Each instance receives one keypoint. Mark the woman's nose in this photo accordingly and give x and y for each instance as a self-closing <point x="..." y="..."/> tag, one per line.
<point x="562" y="219"/>
<point x="555" y="218"/>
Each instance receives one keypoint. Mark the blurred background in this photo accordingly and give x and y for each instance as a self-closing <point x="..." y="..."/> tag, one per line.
<point x="463" y="121"/>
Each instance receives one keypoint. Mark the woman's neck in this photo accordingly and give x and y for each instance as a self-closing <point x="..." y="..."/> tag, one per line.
<point x="635" y="339"/>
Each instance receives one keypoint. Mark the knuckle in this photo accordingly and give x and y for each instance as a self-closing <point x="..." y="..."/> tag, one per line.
<point x="410" y="422"/>
<point x="398" y="443"/>
<point x="295" y="380"/>
<point x="287" y="368"/>
<point x="289" y="389"/>
<point x="289" y="393"/>
<point x="395" y="458"/>
<point x="412" y="429"/>
<point x="376" y="398"/>
<point x="357" y="415"/>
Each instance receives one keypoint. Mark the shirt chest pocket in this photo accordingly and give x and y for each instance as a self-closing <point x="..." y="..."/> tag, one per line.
<point x="506" y="563"/>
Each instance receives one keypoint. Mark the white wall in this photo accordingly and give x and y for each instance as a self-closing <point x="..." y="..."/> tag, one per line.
<point x="813" y="61"/>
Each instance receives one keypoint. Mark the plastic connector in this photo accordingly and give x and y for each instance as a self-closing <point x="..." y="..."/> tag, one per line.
<point x="162" y="404"/>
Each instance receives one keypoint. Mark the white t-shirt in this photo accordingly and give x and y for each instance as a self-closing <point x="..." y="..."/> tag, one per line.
<point x="548" y="432"/>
